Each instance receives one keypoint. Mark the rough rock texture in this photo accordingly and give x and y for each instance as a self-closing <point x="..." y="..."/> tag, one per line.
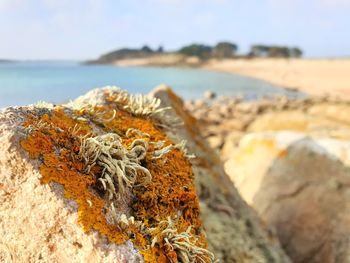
<point x="37" y="224"/>
<point x="96" y="180"/>
<point x="299" y="186"/>
<point x="235" y="234"/>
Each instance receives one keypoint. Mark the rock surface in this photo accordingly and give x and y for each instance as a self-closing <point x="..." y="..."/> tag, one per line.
<point x="296" y="180"/>
<point x="96" y="180"/>
<point x="299" y="186"/>
<point x="37" y="223"/>
<point x="235" y="233"/>
<point x="62" y="199"/>
<point x="221" y="117"/>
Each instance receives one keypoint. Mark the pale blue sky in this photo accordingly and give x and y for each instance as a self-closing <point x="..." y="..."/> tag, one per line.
<point x="84" y="29"/>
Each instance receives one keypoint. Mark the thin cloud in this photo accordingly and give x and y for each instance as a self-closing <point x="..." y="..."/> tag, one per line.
<point x="10" y="5"/>
<point x="335" y="3"/>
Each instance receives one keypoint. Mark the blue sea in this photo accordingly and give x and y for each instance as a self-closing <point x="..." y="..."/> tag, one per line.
<point x="24" y="83"/>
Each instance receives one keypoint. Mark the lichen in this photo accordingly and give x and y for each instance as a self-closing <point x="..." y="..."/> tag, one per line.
<point x="98" y="153"/>
<point x="183" y="244"/>
<point x="121" y="166"/>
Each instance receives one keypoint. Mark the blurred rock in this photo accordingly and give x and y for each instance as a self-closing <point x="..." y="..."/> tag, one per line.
<point x="234" y="232"/>
<point x="247" y="107"/>
<point x="230" y="144"/>
<point x="200" y="103"/>
<point x="299" y="186"/>
<point x="209" y="95"/>
<point x="215" y="142"/>
<point x="284" y="120"/>
<point x="236" y="124"/>
<point x="337" y="112"/>
<point x="314" y="123"/>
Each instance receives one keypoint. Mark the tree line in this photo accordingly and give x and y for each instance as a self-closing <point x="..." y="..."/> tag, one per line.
<point x="275" y="51"/>
<point x="220" y="50"/>
<point x="229" y="50"/>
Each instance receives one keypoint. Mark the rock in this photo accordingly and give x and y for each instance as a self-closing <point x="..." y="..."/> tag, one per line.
<point x="235" y="124"/>
<point x="338" y="112"/>
<point x="190" y="105"/>
<point x="299" y="186"/>
<point x="247" y="107"/>
<point x="212" y="130"/>
<point x="200" y="103"/>
<point x="201" y="114"/>
<point x="225" y="110"/>
<point x="230" y="144"/>
<point x="215" y="142"/>
<point x="285" y="120"/>
<point x="96" y="180"/>
<point x="312" y="123"/>
<point x="209" y="95"/>
<point x="213" y="117"/>
<point x="282" y="103"/>
<point x="235" y="234"/>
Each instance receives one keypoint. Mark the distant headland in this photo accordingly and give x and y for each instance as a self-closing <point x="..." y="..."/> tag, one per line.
<point x="279" y="65"/>
<point x="6" y="61"/>
<point x="192" y="55"/>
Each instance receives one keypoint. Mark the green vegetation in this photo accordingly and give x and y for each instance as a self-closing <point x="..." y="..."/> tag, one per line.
<point x="221" y="50"/>
<point x="275" y="51"/>
<point x="197" y="50"/>
<point x="124" y="53"/>
<point x="146" y="49"/>
<point x="225" y="50"/>
<point x="229" y="50"/>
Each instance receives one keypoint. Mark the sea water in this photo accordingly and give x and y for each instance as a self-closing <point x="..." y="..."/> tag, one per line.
<point x="24" y="83"/>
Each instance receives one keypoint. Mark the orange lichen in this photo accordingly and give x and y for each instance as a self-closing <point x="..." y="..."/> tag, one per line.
<point x="64" y="169"/>
<point x="172" y="187"/>
<point x="54" y="138"/>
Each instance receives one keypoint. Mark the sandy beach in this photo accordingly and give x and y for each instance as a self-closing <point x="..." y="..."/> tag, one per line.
<point x="313" y="76"/>
<point x="318" y="77"/>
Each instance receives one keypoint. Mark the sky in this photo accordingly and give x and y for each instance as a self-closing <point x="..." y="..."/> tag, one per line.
<point x="85" y="29"/>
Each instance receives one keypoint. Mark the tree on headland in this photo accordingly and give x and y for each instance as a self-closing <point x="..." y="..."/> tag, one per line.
<point x="197" y="50"/>
<point x="296" y="52"/>
<point x="275" y="51"/>
<point x="146" y="49"/>
<point x="160" y="49"/>
<point x="224" y="50"/>
<point x="258" y="51"/>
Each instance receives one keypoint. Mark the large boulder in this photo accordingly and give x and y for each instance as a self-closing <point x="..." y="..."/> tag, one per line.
<point x="299" y="186"/>
<point x="320" y="120"/>
<point x="96" y="180"/>
<point x="234" y="231"/>
<point x="107" y="178"/>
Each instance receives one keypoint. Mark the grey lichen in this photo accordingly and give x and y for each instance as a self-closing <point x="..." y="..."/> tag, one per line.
<point x="183" y="244"/>
<point x="138" y="105"/>
<point x="121" y="165"/>
<point x="163" y="150"/>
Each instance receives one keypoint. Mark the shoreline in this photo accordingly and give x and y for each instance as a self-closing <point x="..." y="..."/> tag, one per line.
<point x="315" y="77"/>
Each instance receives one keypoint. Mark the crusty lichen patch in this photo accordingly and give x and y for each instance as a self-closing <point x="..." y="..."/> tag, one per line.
<point x="83" y="148"/>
